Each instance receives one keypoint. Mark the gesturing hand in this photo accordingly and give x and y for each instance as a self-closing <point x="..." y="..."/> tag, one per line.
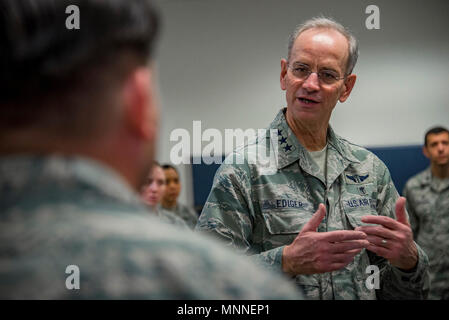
<point x="319" y="252"/>
<point x="392" y="239"/>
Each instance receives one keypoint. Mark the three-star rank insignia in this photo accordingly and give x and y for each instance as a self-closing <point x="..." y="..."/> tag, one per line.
<point x="283" y="141"/>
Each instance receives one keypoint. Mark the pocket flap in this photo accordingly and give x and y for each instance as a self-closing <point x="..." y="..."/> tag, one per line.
<point x="285" y="222"/>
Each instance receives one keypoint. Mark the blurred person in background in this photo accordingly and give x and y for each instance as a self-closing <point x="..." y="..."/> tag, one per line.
<point x="79" y="124"/>
<point x="152" y="192"/>
<point x="170" y="199"/>
<point x="427" y="196"/>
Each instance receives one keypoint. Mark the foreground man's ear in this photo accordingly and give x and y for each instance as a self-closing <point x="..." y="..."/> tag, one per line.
<point x="139" y="107"/>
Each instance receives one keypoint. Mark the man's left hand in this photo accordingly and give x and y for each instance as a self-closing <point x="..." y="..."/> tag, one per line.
<point x="392" y="239"/>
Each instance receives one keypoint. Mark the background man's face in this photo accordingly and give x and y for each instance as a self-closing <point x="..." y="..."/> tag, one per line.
<point x="437" y="148"/>
<point x="319" y="49"/>
<point x="173" y="185"/>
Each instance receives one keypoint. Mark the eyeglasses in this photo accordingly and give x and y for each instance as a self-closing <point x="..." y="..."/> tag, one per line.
<point x="302" y="72"/>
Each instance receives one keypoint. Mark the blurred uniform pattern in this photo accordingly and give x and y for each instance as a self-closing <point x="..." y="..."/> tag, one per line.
<point x="60" y="211"/>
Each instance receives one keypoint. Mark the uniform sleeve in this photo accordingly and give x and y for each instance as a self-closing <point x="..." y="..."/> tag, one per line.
<point x="395" y="283"/>
<point x="229" y="214"/>
<point x="413" y="217"/>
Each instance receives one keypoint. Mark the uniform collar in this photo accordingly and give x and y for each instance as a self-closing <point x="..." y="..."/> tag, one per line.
<point x="290" y="150"/>
<point x="428" y="180"/>
<point x="426" y="177"/>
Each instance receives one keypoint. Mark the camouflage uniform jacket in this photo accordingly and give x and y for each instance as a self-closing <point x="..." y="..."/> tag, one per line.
<point x="59" y="211"/>
<point x="185" y="213"/>
<point x="170" y="217"/>
<point x="259" y="208"/>
<point x="428" y="207"/>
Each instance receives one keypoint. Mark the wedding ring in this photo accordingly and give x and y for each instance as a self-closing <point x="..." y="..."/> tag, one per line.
<point x="384" y="241"/>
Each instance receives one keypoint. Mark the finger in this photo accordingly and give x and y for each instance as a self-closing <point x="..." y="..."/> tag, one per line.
<point x="316" y="219"/>
<point x="338" y="265"/>
<point x="343" y="235"/>
<point x="355" y="251"/>
<point x="387" y="222"/>
<point x="378" y="241"/>
<point x="380" y="251"/>
<point x="340" y="247"/>
<point x="333" y="266"/>
<point x="343" y="257"/>
<point x="401" y="215"/>
<point x="379" y="231"/>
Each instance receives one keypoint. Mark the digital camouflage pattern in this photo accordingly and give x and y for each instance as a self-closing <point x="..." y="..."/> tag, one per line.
<point x="170" y="217"/>
<point x="57" y="211"/>
<point x="185" y="213"/>
<point x="261" y="208"/>
<point x="428" y="207"/>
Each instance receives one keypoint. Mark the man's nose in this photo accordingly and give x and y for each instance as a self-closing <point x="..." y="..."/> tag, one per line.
<point x="312" y="83"/>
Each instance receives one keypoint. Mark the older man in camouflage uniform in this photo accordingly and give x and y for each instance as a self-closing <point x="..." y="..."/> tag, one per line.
<point x="427" y="196"/>
<point x="321" y="209"/>
<point x="78" y="129"/>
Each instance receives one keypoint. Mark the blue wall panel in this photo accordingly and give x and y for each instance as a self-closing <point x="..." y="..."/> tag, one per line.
<point x="403" y="162"/>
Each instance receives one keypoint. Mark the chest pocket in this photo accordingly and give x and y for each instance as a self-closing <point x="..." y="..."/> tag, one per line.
<point x="359" y="200"/>
<point x="280" y="222"/>
<point x="282" y="225"/>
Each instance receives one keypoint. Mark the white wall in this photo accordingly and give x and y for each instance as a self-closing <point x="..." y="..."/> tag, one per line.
<point x="219" y="62"/>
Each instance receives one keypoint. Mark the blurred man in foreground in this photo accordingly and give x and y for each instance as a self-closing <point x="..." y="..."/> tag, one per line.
<point x="79" y="124"/>
<point x="427" y="196"/>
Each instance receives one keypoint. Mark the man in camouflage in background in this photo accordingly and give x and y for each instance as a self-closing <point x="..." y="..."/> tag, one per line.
<point x="170" y="198"/>
<point x="321" y="209"/>
<point x="79" y="124"/>
<point x="427" y="196"/>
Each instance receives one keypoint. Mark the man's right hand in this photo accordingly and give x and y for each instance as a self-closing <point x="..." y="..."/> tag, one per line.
<point x="318" y="252"/>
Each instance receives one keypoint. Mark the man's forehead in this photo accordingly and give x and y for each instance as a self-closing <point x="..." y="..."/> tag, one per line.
<point x="438" y="136"/>
<point x="321" y="43"/>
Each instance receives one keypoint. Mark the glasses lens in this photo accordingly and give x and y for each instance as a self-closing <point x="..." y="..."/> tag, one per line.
<point x="328" y="77"/>
<point x="301" y="72"/>
<point x="325" y="76"/>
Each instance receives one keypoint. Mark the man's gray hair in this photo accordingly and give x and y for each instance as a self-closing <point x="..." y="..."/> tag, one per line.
<point x="328" y="23"/>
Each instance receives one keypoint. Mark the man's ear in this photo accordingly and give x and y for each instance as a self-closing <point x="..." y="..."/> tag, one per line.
<point x="425" y="152"/>
<point x="347" y="87"/>
<point x="139" y="106"/>
<point x="284" y="67"/>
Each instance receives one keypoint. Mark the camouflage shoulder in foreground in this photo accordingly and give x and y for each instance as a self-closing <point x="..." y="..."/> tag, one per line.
<point x="57" y="212"/>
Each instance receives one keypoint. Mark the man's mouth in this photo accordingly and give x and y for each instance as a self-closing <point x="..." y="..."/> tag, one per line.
<point x="307" y="101"/>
